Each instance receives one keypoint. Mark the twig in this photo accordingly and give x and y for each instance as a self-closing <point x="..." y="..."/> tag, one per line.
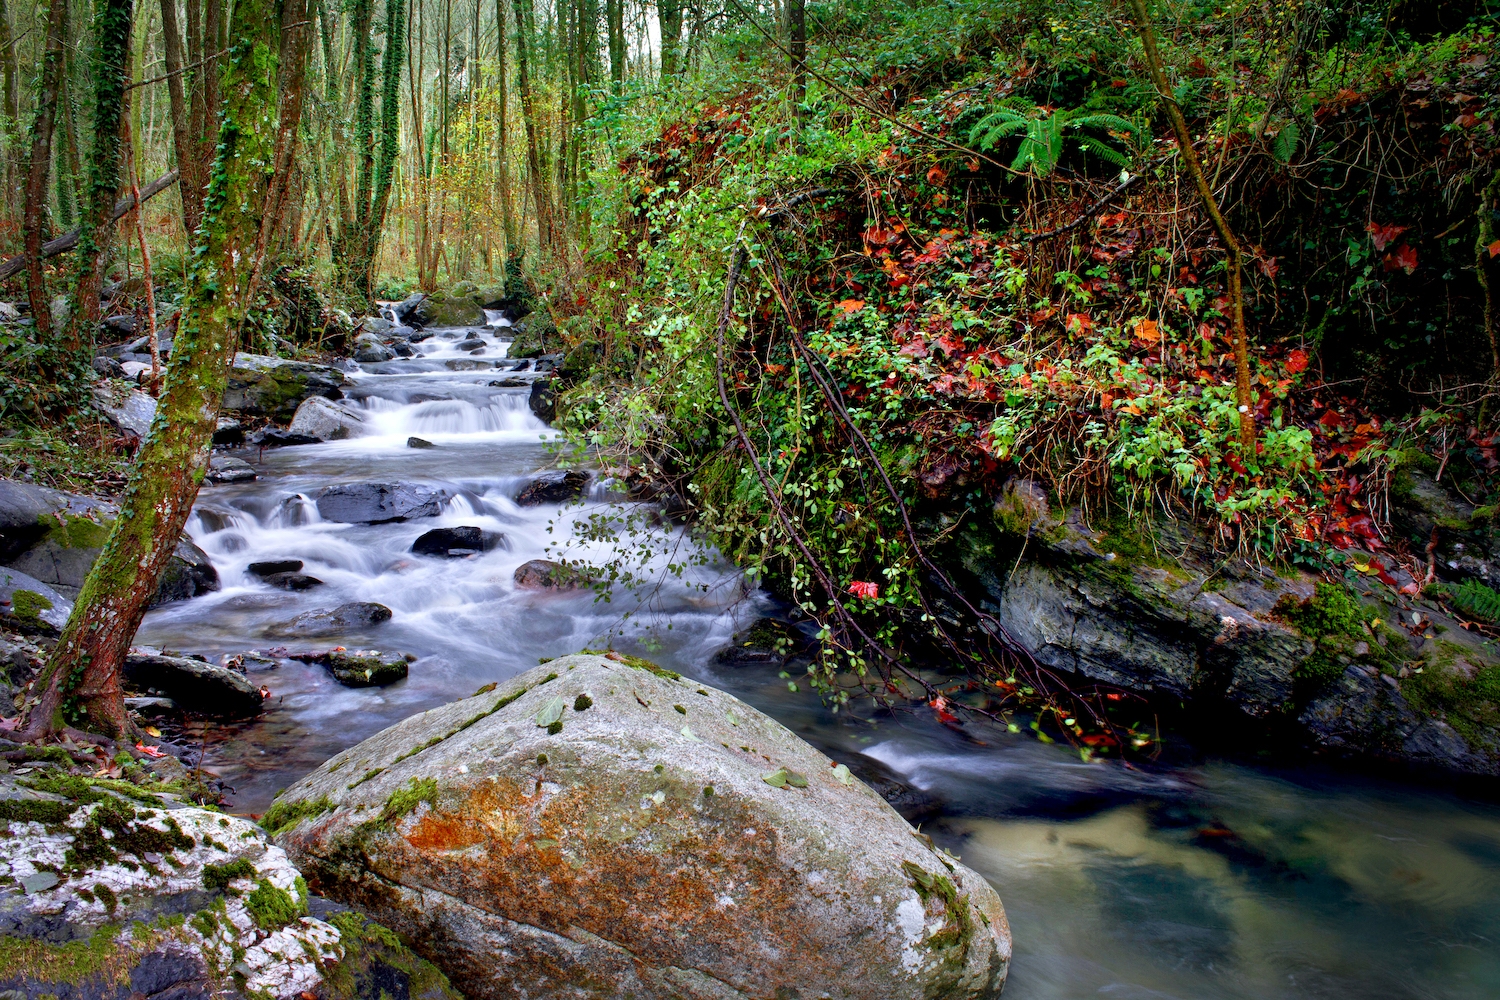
<point x="67" y="241"/>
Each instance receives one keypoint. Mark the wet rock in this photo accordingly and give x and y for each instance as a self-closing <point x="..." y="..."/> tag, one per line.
<point x="510" y="383"/>
<point x="359" y="667"/>
<point x="210" y="908"/>
<point x="557" y="486"/>
<point x="152" y="707"/>
<point x="451" y="308"/>
<point x="326" y="420"/>
<point x="768" y="641"/>
<point x="416" y="442"/>
<point x="29" y="513"/>
<point x="535" y="336"/>
<point x="914" y="805"/>
<point x="66" y="534"/>
<point x="455" y="542"/>
<point x="271" y="567"/>
<point x="117" y="326"/>
<point x="544" y="574"/>
<point x="275" y="437"/>
<point x="228" y="432"/>
<point x="198" y="687"/>
<point x="546" y="363"/>
<point x="543" y="400"/>
<point x="671" y="857"/>
<point x="402" y="349"/>
<point x="374" y="503"/>
<point x="292" y="581"/>
<point x="189" y="573"/>
<point x="30" y="606"/>
<point x="470" y="344"/>
<point x="108" y="367"/>
<point x="130" y="410"/>
<point x="374" y="354"/>
<point x="403" y="310"/>
<point x="345" y="618"/>
<point x="228" y="469"/>
<point x="376" y="326"/>
<point x="262" y="386"/>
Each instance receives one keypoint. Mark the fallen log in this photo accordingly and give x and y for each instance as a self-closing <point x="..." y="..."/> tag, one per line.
<point x="67" y="241"/>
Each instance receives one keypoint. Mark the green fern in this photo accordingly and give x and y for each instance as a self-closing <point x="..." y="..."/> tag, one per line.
<point x="1043" y="139"/>
<point x="1476" y="601"/>
<point x="1285" y="146"/>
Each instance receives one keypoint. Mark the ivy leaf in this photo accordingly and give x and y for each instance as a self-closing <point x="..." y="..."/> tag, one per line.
<point x="550" y="713"/>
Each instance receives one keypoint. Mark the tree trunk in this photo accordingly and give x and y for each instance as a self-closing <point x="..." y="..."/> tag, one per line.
<point x="1487" y="267"/>
<point x="208" y="78"/>
<point x="614" y="14"/>
<point x="535" y="171"/>
<point x="1232" y="253"/>
<point x="81" y="682"/>
<point x="38" y="162"/>
<point x="112" y="22"/>
<point x="669" y="18"/>
<point x="507" y="210"/>
<point x="10" y="102"/>
<point x="190" y="185"/>
<point x="796" y="23"/>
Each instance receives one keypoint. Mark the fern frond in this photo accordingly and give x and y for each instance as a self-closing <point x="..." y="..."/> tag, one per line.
<point x="1476" y="600"/>
<point x="1103" y="150"/>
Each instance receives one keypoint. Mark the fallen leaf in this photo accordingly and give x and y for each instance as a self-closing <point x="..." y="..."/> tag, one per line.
<point x="1381" y="234"/>
<point x="851" y="306"/>
<point x="1494" y="249"/>
<point x="1403" y="257"/>
<point x="776" y="779"/>
<point x="1148" y="331"/>
<point x="1296" y="361"/>
<point x="550" y="713"/>
<point x="869" y="591"/>
<point x="149" y="751"/>
<point x="841" y="772"/>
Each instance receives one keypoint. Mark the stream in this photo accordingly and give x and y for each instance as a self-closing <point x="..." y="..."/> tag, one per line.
<point x="1206" y="879"/>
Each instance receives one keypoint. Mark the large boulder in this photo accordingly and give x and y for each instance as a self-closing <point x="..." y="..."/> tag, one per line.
<point x="356" y="616"/>
<point x="543" y="400"/>
<point x="198" y="686"/>
<point x="326" y="420"/>
<point x="374" y="503"/>
<point x="544" y="574"/>
<point x="600" y="826"/>
<point x="67" y="533"/>
<point x="456" y="542"/>
<point x="262" y="386"/>
<point x="31" y="606"/>
<point x="129" y="410"/>
<point x="455" y="307"/>
<point x="116" y="897"/>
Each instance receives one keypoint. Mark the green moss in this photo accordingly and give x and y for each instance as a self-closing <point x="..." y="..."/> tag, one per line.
<point x="404" y="800"/>
<point x="43" y="811"/>
<point x="75" y="532"/>
<point x="1332" y="610"/>
<point x="111" y="830"/>
<point x="28" y="605"/>
<point x="958" y="929"/>
<point x="1468" y="700"/>
<point x="373" y="957"/>
<point x="107" y="897"/>
<point x="582" y="703"/>
<point x="285" y="815"/>
<point x="272" y="907"/>
<point x="637" y="662"/>
<point x="100" y="958"/>
<point x="216" y="878"/>
<point x="1336" y="622"/>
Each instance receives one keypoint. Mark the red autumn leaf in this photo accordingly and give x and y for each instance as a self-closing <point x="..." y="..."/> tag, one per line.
<point x="149" y="751"/>
<point x="939" y="707"/>
<point x="1296" y="361"/>
<point x="937" y="176"/>
<point x="869" y="591"/>
<point x="1403" y="257"/>
<point x="899" y="280"/>
<point x="916" y="349"/>
<point x="1233" y="461"/>
<point x="850" y="306"/>
<point x="1494" y="249"/>
<point x="949" y="346"/>
<point x="1331" y="418"/>
<point x="1268" y="266"/>
<point x="1382" y="234"/>
<point x="1080" y="323"/>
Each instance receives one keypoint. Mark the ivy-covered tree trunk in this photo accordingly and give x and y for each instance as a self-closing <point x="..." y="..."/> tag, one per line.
<point x="81" y="682"/>
<point x="356" y="242"/>
<point x="669" y="19"/>
<point x="109" y="65"/>
<point x="33" y="219"/>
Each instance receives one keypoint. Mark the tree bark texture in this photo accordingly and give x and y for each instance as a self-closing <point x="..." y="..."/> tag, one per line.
<point x="187" y="151"/>
<point x="39" y="161"/>
<point x="535" y="170"/>
<point x="81" y="682"/>
<point x="1487" y="266"/>
<point x="109" y="68"/>
<point x="614" y="15"/>
<point x="1233" y="257"/>
<point x="796" y="23"/>
<point x="669" y="18"/>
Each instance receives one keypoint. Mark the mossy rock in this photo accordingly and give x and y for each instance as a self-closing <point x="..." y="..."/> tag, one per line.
<point x="376" y="965"/>
<point x="450" y="308"/>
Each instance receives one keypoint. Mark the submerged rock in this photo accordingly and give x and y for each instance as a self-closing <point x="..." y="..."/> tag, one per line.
<point x="543" y="400"/>
<point x="271" y="567"/>
<point x="326" y="420"/>
<point x="416" y="442"/>
<point x="602" y="827"/>
<point x="292" y="581"/>
<point x="375" y="503"/>
<point x="359" y="667"/>
<point x="544" y="574"/>
<point x="557" y="486"/>
<point x="345" y="618"/>
<point x="197" y="686"/>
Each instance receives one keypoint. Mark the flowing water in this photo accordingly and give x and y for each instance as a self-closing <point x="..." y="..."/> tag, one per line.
<point x="1211" y="879"/>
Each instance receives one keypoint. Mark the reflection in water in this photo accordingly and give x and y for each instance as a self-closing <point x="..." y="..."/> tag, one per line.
<point x="1193" y="882"/>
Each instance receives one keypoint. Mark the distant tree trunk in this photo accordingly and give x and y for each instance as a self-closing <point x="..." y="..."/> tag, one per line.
<point x="669" y="18"/>
<point x="81" y="681"/>
<point x="356" y="243"/>
<point x="208" y="79"/>
<point x="1487" y="266"/>
<point x="535" y="170"/>
<point x="502" y="101"/>
<point x="112" y="20"/>
<point x="10" y="101"/>
<point x="614" y="15"/>
<point x="796" y="23"/>
<point x="34" y="214"/>
<point x="189" y="182"/>
<point x="1232" y="254"/>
